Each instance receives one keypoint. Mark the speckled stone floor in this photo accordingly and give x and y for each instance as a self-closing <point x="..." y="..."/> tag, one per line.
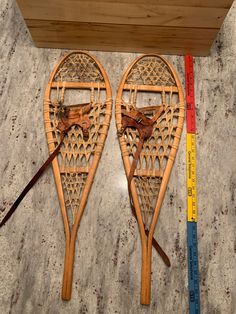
<point x="107" y="260"/>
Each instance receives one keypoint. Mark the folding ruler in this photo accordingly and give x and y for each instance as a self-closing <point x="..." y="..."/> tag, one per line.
<point x="193" y="272"/>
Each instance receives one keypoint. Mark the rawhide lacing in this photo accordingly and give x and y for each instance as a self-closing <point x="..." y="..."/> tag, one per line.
<point x="137" y="119"/>
<point x="68" y="116"/>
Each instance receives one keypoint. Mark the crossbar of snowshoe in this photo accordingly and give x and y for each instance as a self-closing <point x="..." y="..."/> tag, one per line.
<point x="76" y="85"/>
<point x="151" y="88"/>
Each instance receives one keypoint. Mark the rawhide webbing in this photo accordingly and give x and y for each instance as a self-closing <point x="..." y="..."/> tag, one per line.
<point x="144" y="125"/>
<point x="68" y="116"/>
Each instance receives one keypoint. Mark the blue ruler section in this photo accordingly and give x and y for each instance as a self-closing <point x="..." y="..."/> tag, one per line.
<point x="193" y="273"/>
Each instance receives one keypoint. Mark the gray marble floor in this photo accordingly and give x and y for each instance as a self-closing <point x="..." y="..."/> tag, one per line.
<point x="107" y="260"/>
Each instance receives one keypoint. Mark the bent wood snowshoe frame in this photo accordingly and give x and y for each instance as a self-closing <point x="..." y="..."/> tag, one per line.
<point x="149" y="138"/>
<point x="75" y="166"/>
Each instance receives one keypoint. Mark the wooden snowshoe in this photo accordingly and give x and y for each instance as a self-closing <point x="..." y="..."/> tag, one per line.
<point x="149" y="119"/>
<point x="81" y="125"/>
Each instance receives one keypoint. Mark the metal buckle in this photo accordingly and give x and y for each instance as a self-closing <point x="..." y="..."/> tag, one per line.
<point x="138" y="119"/>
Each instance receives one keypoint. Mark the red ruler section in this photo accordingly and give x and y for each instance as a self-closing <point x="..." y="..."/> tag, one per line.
<point x="190" y="111"/>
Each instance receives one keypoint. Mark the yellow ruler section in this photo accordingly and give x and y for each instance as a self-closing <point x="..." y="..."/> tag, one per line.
<point x="191" y="177"/>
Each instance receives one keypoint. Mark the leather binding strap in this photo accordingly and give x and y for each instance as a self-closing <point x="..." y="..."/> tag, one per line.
<point x="144" y="125"/>
<point x="67" y="116"/>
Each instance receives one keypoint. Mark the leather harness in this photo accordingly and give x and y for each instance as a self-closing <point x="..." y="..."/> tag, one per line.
<point x="144" y="125"/>
<point x="68" y="116"/>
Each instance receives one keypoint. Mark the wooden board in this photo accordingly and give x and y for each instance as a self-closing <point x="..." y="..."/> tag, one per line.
<point x="99" y="37"/>
<point x="193" y="3"/>
<point x="122" y="13"/>
<point x="127" y="25"/>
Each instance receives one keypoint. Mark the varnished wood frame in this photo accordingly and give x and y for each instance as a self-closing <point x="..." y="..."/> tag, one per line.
<point x="146" y="242"/>
<point x="71" y="235"/>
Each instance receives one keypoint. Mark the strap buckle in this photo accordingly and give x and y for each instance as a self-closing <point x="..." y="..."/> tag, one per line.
<point x="138" y="119"/>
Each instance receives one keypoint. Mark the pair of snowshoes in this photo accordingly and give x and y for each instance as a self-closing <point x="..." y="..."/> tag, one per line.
<point x="76" y="131"/>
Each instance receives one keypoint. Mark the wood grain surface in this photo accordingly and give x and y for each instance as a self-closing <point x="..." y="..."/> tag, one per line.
<point x="123" y="13"/>
<point x="192" y="3"/>
<point x="175" y="27"/>
<point x="113" y="37"/>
